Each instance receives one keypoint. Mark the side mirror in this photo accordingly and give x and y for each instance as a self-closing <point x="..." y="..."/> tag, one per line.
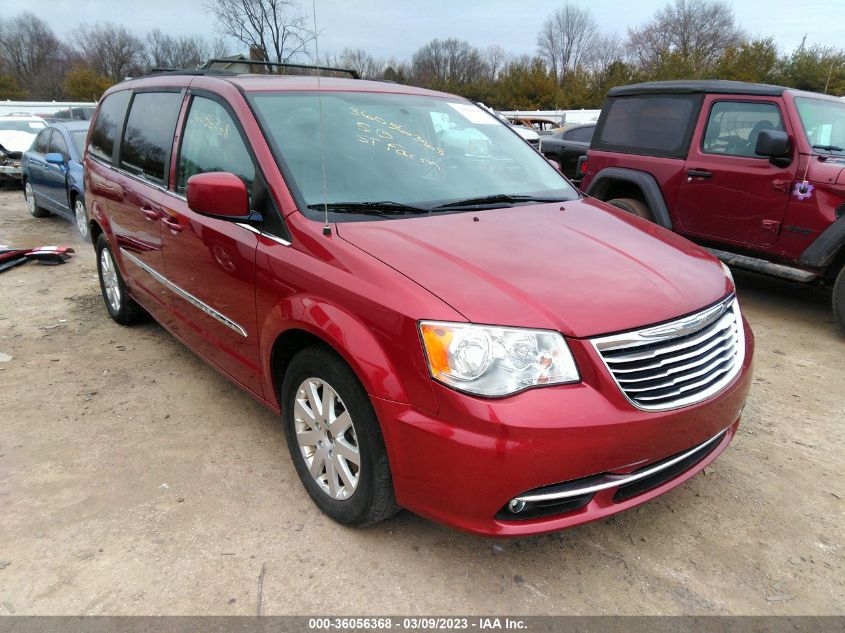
<point x="772" y="143"/>
<point x="219" y="194"/>
<point x="54" y="158"/>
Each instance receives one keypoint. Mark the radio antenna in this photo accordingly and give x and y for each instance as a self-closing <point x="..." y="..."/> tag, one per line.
<point x="327" y="230"/>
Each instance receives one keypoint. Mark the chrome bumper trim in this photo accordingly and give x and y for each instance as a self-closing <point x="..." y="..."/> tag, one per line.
<point x="613" y="481"/>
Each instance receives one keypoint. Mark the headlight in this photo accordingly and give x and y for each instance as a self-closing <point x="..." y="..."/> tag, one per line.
<point x="496" y="361"/>
<point x="728" y="272"/>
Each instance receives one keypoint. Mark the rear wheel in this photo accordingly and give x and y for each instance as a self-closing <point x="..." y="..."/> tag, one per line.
<point x="122" y="308"/>
<point x="81" y="217"/>
<point x="335" y="440"/>
<point x="31" y="203"/>
<point x="633" y="206"/>
<point x="839" y="299"/>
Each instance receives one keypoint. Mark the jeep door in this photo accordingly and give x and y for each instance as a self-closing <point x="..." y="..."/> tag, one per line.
<point x="730" y="194"/>
<point x="210" y="263"/>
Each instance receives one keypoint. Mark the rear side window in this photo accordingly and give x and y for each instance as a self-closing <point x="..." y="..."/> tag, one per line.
<point x="654" y="125"/>
<point x="149" y="134"/>
<point x="211" y="142"/>
<point x="58" y="145"/>
<point x="580" y="135"/>
<point x="42" y="141"/>
<point x="107" y="127"/>
<point x="734" y="126"/>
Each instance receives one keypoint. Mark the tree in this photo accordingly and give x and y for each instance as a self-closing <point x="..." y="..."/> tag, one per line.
<point x="9" y="88"/>
<point x="275" y="29"/>
<point x="359" y="60"/>
<point x="32" y="54"/>
<point x="111" y="50"/>
<point x="689" y="36"/>
<point x="817" y="68"/>
<point x="755" y="61"/>
<point x="525" y="84"/>
<point x="83" y="84"/>
<point x="445" y="63"/>
<point x="179" y="51"/>
<point x="566" y="38"/>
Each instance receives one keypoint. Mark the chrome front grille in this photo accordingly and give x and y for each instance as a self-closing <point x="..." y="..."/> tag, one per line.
<point x="679" y="363"/>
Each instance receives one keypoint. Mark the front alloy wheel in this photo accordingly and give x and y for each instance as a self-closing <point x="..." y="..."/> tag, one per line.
<point x="334" y="438"/>
<point x="326" y="437"/>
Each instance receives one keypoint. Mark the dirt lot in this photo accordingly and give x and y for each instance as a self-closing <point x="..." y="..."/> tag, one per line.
<point x="135" y="480"/>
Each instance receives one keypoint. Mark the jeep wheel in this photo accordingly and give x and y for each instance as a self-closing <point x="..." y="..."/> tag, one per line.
<point x="335" y="440"/>
<point x="633" y="206"/>
<point x="839" y="299"/>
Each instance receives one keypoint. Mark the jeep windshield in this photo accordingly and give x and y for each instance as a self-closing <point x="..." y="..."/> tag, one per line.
<point x="824" y="124"/>
<point x="398" y="156"/>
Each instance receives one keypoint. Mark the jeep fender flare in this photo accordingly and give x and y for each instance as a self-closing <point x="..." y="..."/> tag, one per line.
<point x="647" y="184"/>
<point x="826" y="247"/>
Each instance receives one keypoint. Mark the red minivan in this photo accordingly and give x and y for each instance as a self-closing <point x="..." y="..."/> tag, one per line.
<point x="443" y="322"/>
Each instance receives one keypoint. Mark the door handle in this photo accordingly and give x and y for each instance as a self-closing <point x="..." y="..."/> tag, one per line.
<point x="172" y="224"/>
<point x="150" y="213"/>
<point x="699" y="173"/>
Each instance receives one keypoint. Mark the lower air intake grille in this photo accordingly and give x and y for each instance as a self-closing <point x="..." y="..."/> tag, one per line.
<point x="679" y="363"/>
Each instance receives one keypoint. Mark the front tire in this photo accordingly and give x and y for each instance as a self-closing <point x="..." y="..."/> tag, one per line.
<point x="633" y="206"/>
<point x="32" y="204"/>
<point x="839" y="299"/>
<point x="122" y="308"/>
<point x="335" y="440"/>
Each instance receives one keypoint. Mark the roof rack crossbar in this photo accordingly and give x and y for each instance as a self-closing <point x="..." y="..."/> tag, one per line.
<point x="353" y="73"/>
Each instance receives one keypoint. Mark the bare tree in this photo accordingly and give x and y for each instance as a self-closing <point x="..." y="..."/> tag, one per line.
<point x="449" y="60"/>
<point x="607" y="48"/>
<point x="178" y="51"/>
<point x="359" y="60"/>
<point x="275" y="29"/>
<point x="695" y="32"/>
<point x="111" y="50"/>
<point x="565" y="39"/>
<point x="32" y="54"/>
<point x="495" y="59"/>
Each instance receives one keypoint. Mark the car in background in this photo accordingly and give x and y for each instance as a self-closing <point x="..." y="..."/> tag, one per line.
<point x="52" y="173"/>
<point x="567" y="146"/>
<point x="76" y="113"/>
<point x="543" y="126"/>
<point x="17" y="131"/>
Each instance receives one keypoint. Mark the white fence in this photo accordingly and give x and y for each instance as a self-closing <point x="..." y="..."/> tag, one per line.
<point x="40" y="108"/>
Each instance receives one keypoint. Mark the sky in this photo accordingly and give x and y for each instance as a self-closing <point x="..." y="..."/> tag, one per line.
<point x="396" y="28"/>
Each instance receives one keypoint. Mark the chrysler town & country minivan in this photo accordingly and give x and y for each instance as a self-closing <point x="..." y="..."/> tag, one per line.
<point x="446" y="327"/>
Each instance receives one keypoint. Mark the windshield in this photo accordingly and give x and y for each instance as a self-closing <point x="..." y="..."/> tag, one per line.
<point x="78" y="137"/>
<point x="824" y="124"/>
<point x="22" y="126"/>
<point x="414" y="151"/>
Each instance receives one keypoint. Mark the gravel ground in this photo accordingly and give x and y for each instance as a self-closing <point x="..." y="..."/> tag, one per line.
<point x="135" y="480"/>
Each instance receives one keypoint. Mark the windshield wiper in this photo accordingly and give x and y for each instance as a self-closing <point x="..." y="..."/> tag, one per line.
<point x="829" y="148"/>
<point x="383" y="207"/>
<point x="499" y="198"/>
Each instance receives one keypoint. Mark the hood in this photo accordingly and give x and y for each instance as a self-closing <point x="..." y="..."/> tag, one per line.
<point x="830" y="170"/>
<point x="585" y="270"/>
<point x="15" y="140"/>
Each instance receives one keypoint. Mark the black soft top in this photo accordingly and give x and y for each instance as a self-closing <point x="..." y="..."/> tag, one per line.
<point x="719" y="86"/>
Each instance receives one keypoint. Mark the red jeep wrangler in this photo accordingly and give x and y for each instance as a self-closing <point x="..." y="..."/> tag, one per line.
<point x="756" y="172"/>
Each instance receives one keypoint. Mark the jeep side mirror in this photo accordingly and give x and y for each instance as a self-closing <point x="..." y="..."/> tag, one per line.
<point x="774" y="144"/>
<point x="218" y="194"/>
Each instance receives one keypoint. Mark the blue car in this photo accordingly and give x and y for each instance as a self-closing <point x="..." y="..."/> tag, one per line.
<point x="52" y="173"/>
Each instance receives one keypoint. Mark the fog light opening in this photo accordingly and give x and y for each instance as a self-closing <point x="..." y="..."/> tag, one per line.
<point x="516" y="506"/>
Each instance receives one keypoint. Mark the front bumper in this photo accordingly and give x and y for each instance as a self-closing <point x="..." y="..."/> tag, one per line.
<point x="12" y="171"/>
<point x="463" y="465"/>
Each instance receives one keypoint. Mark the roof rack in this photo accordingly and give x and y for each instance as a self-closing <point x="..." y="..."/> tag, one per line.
<point x="207" y="66"/>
